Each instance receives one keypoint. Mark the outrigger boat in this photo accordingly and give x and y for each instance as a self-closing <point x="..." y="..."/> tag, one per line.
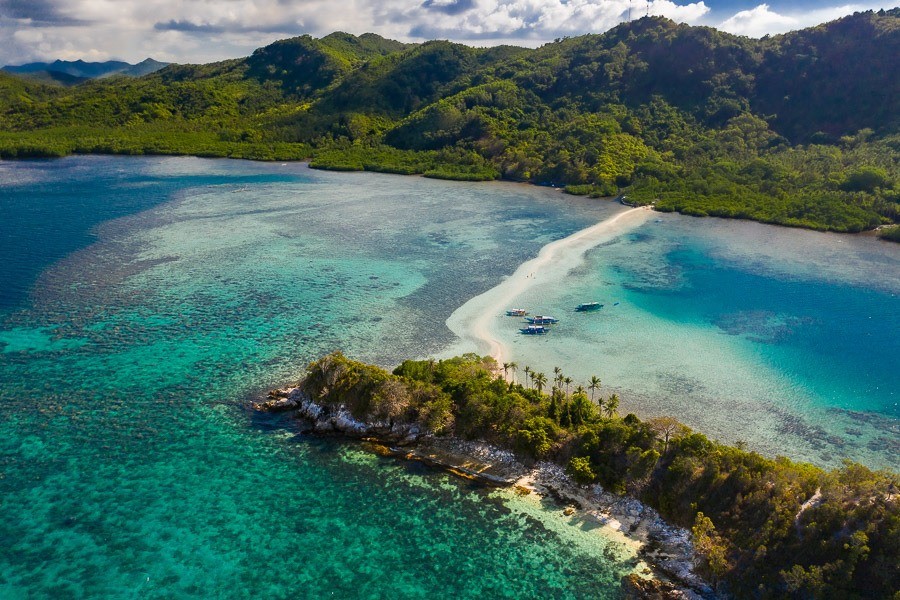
<point x="534" y="330"/>
<point x="516" y="312"/>
<point x="541" y="320"/>
<point x="588" y="306"/>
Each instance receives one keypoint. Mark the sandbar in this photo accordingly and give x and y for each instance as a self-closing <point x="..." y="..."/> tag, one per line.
<point x="472" y="322"/>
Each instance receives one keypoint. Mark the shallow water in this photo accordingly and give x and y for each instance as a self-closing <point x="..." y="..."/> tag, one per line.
<point x="145" y="299"/>
<point x="781" y="338"/>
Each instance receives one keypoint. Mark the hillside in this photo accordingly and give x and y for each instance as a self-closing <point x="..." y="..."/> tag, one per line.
<point x="799" y="129"/>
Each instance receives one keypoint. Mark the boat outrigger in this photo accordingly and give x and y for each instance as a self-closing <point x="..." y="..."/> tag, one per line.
<point x="516" y="312"/>
<point x="534" y="330"/>
<point x="541" y="320"/>
<point x="588" y="306"/>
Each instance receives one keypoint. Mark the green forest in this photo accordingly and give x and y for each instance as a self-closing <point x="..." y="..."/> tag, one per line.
<point x="765" y="528"/>
<point x="799" y="129"/>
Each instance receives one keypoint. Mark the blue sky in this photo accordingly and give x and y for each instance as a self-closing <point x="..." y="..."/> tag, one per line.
<point x="206" y="30"/>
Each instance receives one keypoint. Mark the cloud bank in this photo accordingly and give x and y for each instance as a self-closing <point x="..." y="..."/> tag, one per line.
<point x="763" y="20"/>
<point x="206" y="30"/>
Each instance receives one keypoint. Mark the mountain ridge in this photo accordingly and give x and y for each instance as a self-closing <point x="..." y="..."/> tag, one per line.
<point x="799" y="129"/>
<point x="78" y="71"/>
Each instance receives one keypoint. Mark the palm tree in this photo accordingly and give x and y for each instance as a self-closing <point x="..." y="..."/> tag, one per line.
<point x="527" y="372"/>
<point x="579" y="389"/>
<point x="557" y="371"/>
<point x="595" y="385"/>
<point x="611" y="405"/>
<point x="505" y="370"/>
<point x="540" y="380"/>
<point x="568" y="381"/>
<point x="512" y="367"/>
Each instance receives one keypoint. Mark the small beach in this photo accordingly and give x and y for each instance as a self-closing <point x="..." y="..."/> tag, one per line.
<point x="473" y="322"/>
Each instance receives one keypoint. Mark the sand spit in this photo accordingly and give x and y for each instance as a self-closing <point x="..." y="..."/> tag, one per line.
<point x="473" y="321"/>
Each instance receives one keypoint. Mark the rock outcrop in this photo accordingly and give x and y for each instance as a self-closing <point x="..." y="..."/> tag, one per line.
<point x="338" y="419"/>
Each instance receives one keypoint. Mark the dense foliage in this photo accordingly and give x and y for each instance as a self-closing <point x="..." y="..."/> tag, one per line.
<point x="890" y="233"/>
<point x="799" y="129"/>
<point x="767" y="528"/>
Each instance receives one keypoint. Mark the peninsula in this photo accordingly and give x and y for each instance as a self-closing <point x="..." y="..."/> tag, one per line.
<point x="759" y="527"/>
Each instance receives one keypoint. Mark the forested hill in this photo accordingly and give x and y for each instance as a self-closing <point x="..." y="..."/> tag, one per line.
<point x="800" y="129"/>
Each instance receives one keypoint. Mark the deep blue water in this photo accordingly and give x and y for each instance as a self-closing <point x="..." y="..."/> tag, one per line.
<point x="45" y="219"/>
<point x="838" y="339"/>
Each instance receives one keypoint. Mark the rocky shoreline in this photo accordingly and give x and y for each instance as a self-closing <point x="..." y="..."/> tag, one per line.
<point x="667" y="550"/>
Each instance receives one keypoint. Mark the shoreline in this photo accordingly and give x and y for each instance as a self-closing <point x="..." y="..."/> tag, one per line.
<point x="472" y="322"/>
<point x="664" y="553"/>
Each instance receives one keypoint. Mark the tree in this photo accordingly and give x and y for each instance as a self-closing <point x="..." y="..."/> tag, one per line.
<point x="568" y="381"/>
<point x="665" y="427"/>
<point x="581" y="409"/>
<point x="594" y="386"/>
<point x="513" y="367"/>
<point x="710" y="545"/>
<point x="612" y="405"/>
<point x="581" y="471"/>
<point x="866" y="179"/>
<point x="505" y="370"/>
<point x="540" y="380"/>
<point x="527" y="374"/>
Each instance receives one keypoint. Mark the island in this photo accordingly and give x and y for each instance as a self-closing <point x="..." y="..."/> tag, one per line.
<point x="759" y="526"/>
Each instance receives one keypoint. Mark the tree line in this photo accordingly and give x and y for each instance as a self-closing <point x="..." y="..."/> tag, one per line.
<point x="766" y="528"/>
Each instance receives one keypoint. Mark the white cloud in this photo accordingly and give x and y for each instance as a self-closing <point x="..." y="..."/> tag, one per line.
<point x="205" y="30"/>
<point x="762" y="20"/>
<point x="548" y="19"/>
<point x="757" y="22"/>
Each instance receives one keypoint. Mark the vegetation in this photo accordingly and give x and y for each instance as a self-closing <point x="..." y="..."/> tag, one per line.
<point x="799" y="129"/>
<point x="892" y="234"/>
<point x="766" y="528"/>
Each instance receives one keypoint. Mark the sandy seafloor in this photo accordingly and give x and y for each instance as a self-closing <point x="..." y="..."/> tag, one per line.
<point x="780" y="338"/>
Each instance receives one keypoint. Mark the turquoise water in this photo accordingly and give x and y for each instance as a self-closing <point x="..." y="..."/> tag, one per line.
<point x="145" y="300"/>
<point x="784" y="339"/>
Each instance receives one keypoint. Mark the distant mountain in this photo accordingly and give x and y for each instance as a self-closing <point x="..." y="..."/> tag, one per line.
<point x="73" y="72"/>
<point x="145" y="67"/>
<point x="77" y="68"/>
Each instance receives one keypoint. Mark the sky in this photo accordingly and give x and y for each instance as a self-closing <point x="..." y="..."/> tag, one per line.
<point x="198" y="31"/>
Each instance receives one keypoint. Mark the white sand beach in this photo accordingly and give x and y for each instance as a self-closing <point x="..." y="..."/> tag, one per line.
<point x="472" y="322"/>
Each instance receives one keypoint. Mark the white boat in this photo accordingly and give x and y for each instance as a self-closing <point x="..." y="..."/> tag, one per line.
<point x="534" y="330"/>
<point x="542" y="320"/>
